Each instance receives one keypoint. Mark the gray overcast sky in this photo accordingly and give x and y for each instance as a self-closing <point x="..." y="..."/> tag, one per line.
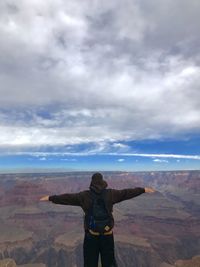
<point x="97" y="71"/>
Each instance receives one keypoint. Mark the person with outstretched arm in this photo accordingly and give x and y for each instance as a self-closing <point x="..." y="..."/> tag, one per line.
<point x="97" y="204"/>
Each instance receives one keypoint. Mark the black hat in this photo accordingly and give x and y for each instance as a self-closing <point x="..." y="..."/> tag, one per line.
<point x="97" y="182"/>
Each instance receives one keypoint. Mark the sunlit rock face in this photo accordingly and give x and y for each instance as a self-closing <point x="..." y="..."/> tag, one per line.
<point x="160" y="229"/>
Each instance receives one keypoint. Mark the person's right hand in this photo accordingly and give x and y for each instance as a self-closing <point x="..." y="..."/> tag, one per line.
<point x="149" y="190"/>
<point x="45" y="198"/>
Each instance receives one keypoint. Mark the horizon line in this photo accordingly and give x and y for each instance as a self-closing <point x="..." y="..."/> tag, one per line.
<point x="49" y="171"/>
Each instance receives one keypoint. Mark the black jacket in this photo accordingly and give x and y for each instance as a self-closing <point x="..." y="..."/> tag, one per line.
<point x="83" y="199"/>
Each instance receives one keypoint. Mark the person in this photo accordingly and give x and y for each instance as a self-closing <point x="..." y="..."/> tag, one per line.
<point x="98" y="243"/>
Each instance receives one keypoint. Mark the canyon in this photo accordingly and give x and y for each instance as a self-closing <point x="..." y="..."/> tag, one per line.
<point x="152" y="230"/>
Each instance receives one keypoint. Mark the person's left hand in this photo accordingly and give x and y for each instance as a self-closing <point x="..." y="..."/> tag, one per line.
<point x="45" y="198"/>
<point x="149" y="190"/>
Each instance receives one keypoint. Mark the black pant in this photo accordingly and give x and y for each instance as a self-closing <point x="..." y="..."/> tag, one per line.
<point x="95" y="245"/>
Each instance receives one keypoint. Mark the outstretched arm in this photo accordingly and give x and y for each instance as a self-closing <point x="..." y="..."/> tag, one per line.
<point x="125" y="194"/>
<point x="65" y="199"/>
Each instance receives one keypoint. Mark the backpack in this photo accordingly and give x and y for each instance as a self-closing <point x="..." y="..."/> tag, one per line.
<point x="99" y="218"/>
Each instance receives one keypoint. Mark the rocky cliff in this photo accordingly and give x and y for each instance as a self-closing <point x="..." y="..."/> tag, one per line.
<point x="161" y="230"/>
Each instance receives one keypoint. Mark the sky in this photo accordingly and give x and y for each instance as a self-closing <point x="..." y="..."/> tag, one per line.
<point x="99" y="85"/>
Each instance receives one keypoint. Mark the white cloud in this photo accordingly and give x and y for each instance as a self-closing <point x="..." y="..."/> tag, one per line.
<point x="68" y="159"/>
<point x="158" y="157"/>
<point x="121" y="160"/>
<point x="101" y="71"/>
<point x="173" y="156"/>
<point x="43" y="159"/>
<point x="119" y="145"/>
<point x="161" y="160"/>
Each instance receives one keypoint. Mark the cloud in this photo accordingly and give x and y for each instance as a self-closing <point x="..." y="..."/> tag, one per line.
<point x="121" y="160"/>
<point x="161" y="160"/>
<point x="68" y="159"/>
<point x="193" y="157"/>
<point x="79" y="72"/>
<point x="43" y="159"/>
<point x="88" y="152"/>
<point x="173" y="156"/>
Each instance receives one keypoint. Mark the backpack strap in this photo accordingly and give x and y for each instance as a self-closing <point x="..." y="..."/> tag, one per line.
<point x="104" y="196"/>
